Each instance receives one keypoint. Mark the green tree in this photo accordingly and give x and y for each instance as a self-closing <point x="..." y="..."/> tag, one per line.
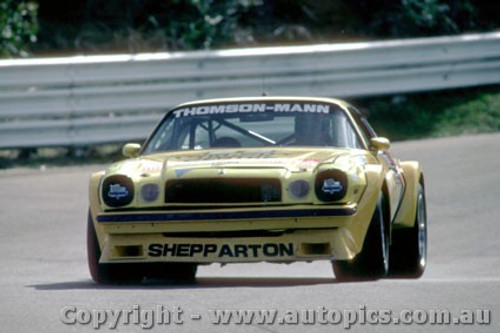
<point x="18" y="27"/>
<point x="202" y="24"/>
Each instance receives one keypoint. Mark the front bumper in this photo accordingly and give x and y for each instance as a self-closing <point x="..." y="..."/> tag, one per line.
<point x="298" y="245"/>
<point x="277" y="234"/>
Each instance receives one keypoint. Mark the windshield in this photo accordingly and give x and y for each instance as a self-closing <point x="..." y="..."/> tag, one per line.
<point x="231" y="125"/>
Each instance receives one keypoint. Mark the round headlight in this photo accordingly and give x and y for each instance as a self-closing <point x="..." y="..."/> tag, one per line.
<point x="150" y="192"/>
<point x="299" y="188"/>
<point x="331" y="185"/>
<point x="117" y="191"/>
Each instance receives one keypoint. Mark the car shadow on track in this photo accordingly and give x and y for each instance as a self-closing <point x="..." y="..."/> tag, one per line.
<point x="200" y="283"/>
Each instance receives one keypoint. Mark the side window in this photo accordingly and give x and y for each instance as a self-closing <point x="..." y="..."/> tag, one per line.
<point x="169" y="136"/>
<point x="366" y="131"/>
<point x="343" y="134"/>
<point x="368" y="127"/>
<point x="351" y="135"/>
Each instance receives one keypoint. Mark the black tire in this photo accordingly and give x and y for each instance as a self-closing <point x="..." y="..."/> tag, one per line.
<point x="180" y="272"/>
<point x="132" y="272"/>
<point x="108" y="273"/>
<point x="373" y="261"/>
<point x="409" y="246"/>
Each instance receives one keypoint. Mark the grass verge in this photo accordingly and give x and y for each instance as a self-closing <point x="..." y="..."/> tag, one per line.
<point x="444" y="113"/>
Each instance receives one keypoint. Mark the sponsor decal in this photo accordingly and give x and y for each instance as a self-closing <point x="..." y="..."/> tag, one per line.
<point x="309" y="162"/>
<point x="117" y="191"/>
<point x="186" y="163"/>
<point x="251" y="108"/>
<point x="221" y="251"/>
<point x="236" y="159"/>
<point x="233" y="157"/>
<point x="181" y="172"/>
<point x="331" y="186"/>
<point x="215" y="157"/>
<point x="239" y="154"/>
<point x="151" y="167"/>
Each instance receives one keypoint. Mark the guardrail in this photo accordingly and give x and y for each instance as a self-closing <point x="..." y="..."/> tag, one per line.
<point x="84" y="100"/>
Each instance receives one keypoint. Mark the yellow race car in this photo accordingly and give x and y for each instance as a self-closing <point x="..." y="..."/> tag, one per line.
<point x="275" y="179"/>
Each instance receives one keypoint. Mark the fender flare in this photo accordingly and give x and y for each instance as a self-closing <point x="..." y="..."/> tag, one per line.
<point x="413" y="174"/>
<point x="366" y="206"/>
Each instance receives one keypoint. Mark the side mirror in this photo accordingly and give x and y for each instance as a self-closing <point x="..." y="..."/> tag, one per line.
<point x="131" y="150"/>
<point x="379" y="143"/>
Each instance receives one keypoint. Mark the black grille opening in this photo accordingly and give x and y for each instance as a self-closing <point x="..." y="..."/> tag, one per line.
<point x="223" y="190"/>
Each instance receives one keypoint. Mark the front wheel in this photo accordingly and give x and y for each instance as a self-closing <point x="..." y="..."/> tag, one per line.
<point x="130" y="273"/>
<point x="107" y="273"/>
<point x="373" y="261"/>
<point x="409" y="246"/>
<point x="181" y="272"/>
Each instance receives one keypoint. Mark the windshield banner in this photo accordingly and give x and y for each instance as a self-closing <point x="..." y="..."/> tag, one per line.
<point x="251" y="108"/>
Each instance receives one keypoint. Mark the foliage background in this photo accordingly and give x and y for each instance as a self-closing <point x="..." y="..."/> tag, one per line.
<point x="18" y="27"/>
<point x="96" y="26"/>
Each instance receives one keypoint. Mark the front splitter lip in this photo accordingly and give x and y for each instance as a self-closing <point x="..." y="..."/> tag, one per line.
<point x="149" y="217"/>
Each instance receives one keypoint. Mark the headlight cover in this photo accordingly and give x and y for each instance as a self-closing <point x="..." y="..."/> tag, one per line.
<point x="117" y="191"/>
<point x="331" y="185"/>
<point x="299" y="188"/>
<point x="150" y="192"/>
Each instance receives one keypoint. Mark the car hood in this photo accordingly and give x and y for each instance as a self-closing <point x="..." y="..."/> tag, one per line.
<point x="292" y="159"/>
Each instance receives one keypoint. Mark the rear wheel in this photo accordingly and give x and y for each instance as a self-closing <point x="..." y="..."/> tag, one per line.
<point x="409" y="246"/>
<point x="373" y="261"/>
<point x="107" y="273"/>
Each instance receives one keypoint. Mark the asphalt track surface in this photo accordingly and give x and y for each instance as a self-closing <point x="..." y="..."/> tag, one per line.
<point x="44" y="269"/>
